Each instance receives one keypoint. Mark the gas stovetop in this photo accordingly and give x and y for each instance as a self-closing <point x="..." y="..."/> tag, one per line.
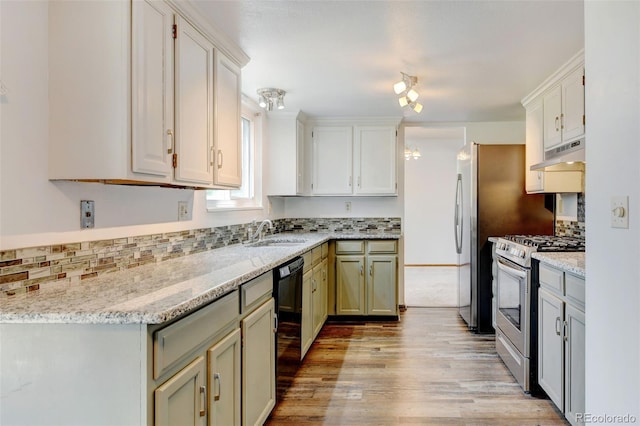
<point x="548" y="243"/>
<point x="518" y="248"/>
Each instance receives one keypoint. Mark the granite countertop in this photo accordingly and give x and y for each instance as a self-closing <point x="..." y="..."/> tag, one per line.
<point x="572" y="262"/>
<point x="159" y="292"/>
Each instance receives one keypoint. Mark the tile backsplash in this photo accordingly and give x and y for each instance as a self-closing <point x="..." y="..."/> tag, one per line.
<point x="27" y="269"/>
<point x="572" y="228"/>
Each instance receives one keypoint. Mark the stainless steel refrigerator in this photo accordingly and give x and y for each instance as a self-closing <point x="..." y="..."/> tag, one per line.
<point x="490" y="201"/>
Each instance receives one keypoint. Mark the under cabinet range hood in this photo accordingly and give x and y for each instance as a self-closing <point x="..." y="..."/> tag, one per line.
<point x="566" y="154"/>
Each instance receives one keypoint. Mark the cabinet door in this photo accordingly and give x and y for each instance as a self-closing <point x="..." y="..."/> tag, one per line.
<point x="574" y="364"/>
<point x="181" y="399"/>
<point x="552" y="105"/>
<point x="573" y="105"/>
<point x="258" y="364"/>
<point x="152" y="91"/>
<point x="223" y="381"/>
<point x="534" y="180"/>
<point x="550" y="346"/>
<point x="332" y="161"/>
<point x="228" y="168"/>
<point x="319" y="296"/>
<point x="375" y="160"/>
<point x="350" y="286"/>
<point x="307" y="313"/>
<point x="381" y="285"/>
<point x="299" y="157"/>
<point x="193" y="105"/>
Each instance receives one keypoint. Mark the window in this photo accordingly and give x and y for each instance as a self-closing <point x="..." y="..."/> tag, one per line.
<point x="249" y="195"/>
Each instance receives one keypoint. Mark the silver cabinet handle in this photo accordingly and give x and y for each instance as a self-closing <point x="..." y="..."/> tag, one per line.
<point x="220" y="159"/>
<point x="216" y="377"/>
<point x="203" y="401"/>
<point x="350" y="180"/>
<point x="565" y="331"/>
<point x="558" y="326"/>
<point x="275" y="321"/>
<point x="371" y="270"/>
<point x="170" y="134"/>
<point x="361" y="270"/>
<point x="359" y="178"/>
<point x="212" y="153"/>
<point x="557" y="119"/>
<point x="562" y="121"/>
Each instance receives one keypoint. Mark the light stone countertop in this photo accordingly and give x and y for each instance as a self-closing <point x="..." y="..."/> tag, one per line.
<point x="572" y="262"/>
<point x="159" y="292"/>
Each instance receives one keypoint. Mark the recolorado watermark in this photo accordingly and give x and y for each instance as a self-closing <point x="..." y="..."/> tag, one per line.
<point x="605" y="418"/>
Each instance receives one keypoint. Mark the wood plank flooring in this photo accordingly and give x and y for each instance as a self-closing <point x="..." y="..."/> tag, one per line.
<point x="425" y="369"/>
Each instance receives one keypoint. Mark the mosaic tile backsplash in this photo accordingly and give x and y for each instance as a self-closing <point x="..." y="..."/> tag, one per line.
<point x="27" y="269"/>
<point x="567" y="228"/>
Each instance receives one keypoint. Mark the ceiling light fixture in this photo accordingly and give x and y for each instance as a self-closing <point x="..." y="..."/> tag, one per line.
<point x="408" y="95"/>
<point x="268" y="97"/>
<point x="411" y="153"/>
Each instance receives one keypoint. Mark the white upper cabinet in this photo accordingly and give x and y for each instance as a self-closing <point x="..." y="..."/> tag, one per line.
<point x="354" y="160"/>
<point x="152" y="75"/>
<point x="131" y="94"/>
<point x="286" y="154"/>
<point x="555" y="115"/>
<point x="228" y="144"/>
<point x="376" y="157"/>
<point x="193" y="105"/>
<point x="332" y="160"/>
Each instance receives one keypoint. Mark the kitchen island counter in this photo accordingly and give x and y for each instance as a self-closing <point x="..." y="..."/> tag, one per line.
<point x="160" y="292"/>
<point x="572" y="262"/>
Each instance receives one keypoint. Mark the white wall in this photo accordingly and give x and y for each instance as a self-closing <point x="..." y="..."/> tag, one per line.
<point x="430" y="184"/>
<point x="35" y="211"/>
<point x="612" y="100"/>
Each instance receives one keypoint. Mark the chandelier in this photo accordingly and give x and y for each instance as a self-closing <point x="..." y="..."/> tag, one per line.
<point x="408" y="95"/>
<point x="268" y="97"/>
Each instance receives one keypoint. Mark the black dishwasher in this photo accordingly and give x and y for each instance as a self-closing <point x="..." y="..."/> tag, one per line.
<point x="287" y="290"/>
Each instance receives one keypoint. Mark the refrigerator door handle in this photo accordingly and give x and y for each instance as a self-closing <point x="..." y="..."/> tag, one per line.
<point x="458" y="215"/>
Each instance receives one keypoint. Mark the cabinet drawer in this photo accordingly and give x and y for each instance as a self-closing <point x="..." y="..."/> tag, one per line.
<point x="552" y="279"/>
<point x="387" y="246"/>
<point x="316" y="255"/>
<point x="350" y="247"/>
<point x="575" y="290"/>
<point x="252" y="293"/>
<point x="325" y="250"/>
<point x="308" y="261"/>
<point x="175" y="342"/>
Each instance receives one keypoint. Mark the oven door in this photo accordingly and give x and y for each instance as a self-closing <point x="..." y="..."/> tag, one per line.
<point x="512" y="316"/>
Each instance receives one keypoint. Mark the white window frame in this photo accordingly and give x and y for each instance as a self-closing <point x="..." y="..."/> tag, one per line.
<point x="255" y="116"/>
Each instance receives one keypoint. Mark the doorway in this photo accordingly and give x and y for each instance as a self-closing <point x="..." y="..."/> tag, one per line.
<point x="430" y="259"/>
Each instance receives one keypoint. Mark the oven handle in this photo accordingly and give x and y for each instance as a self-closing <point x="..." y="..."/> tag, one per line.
<point x="510" y="270"/>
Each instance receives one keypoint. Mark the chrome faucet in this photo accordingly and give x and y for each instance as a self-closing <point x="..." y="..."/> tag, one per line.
<point x="257" y="236"/>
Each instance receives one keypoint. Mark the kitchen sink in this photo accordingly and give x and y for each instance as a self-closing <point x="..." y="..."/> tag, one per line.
<point x="278" y="242"/>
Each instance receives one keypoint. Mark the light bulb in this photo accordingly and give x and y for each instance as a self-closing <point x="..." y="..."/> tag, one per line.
<point x="403" y="101"/>
<point x="280" y="103"/>
<point x="400" y="87"/>
<point x="417" y="107"/>
<point x="416" y="154"/>
<point x="412" y="95"/>
<point x="262" y="101"/>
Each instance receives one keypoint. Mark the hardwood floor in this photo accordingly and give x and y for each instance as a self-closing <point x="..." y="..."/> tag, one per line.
<point x="425" y="369"/>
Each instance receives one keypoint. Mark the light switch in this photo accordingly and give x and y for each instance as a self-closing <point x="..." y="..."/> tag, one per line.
<point x="620" y="211"/>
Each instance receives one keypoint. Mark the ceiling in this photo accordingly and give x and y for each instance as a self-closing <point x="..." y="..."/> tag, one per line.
<point x="475" y="60"/>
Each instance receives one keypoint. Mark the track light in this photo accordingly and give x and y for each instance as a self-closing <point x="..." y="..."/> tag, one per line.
<point x="408" y="94"/>
<point x="269" y="96"/>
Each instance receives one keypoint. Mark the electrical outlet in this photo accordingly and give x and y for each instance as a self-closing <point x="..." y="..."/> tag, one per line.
<point x="87" y="214"/>
<point x="620" y="212"/>
<point x="183" y="210"/>
<point x="347" y="206"/>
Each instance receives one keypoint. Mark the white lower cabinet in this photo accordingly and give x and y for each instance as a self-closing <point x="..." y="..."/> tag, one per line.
<point x="366" y="284"/>
<point x="561" y="340"/>
<point x="314" y="295"/>
<point x="223" y="381"/>
<point x="181" y="400"/>
<point x="258" y="364"/>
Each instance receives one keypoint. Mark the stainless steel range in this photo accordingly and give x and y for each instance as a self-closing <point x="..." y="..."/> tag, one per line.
<point x="517" y="299"/>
